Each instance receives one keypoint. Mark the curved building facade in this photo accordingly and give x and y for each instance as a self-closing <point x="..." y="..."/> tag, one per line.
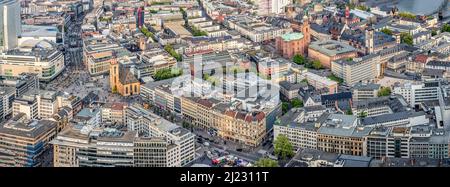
<point x="43" y="59"/>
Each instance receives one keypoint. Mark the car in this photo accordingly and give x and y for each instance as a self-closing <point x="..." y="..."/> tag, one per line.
<point x="239" y="149"/>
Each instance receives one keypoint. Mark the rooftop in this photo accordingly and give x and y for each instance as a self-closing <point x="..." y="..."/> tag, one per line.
<point x="292" y="36"/>
<point x="332" y="47"/>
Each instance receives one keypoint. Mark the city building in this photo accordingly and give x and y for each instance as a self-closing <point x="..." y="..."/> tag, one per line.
<point x="24" y="143"/>
<point x="417" y="93"/>
<point x="22" y="84"/>
<point x="75" y="145"/>
<point x="319" y="82"/>
<point x="361" y="91"/>
<point x="300" y="132"/>
<point x="113" y="113"/>
<point x="122" y="80"/>
<point x="40" y="57"/>
<point x="295" y="43"/>
<point x="271" y="7"/>
<point x="255" y="29"/>
<point x="330" y="50"/>
<point x="10" y="24"/>
<point x="379" y="106"/>
<point x="7" y="95"/>
<point x="357" y="70"/>
<point x="342" y="134"/>
<point x="148" y="124"/>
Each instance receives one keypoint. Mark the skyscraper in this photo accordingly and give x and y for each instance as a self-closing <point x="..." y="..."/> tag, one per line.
<point x="139" y="17"/>
<point x="10" y="24"/>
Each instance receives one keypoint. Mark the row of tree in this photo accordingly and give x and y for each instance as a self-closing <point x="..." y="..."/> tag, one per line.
<point x="172" y="52"/>
<point x="167" y="73"/>
<point x="301" y="60"/>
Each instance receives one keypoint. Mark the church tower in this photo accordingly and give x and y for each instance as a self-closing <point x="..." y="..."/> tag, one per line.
<point x="306" y="33"/>
<point x="369" y="42"/>
<point x="114" y="74"/>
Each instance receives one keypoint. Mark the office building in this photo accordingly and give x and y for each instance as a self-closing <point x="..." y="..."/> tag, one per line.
<point x="417" y="93"/>
<point x="361" y="91"/>
<point x="10" y="24"/>
<point x="300" y="132"/>
<point x="23" y="142"/>
<point x="356" y="70"/>
<point x="40" y="57"/>
<point x="22" y="84"/>
<point x="7" y="95"/>
<point x="150" y="125"/>
<point x="342" y="134"/>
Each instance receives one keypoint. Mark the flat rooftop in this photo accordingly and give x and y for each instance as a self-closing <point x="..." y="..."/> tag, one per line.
<point x="331" y="47"/>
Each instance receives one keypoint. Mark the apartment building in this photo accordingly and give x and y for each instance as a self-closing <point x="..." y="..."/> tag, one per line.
<point x="113" y="113"/>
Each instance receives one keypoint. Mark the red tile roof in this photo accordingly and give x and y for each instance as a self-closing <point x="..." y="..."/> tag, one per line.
<point x="421" y="58"/>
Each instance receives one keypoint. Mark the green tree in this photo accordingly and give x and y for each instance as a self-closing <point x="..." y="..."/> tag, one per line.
<point x="167" y="73"/>
<point x="406" y="38"/>
<point x="335" y="78"/>
<point x="198" y="32"/>
<point x="296" y="103"/>
<point x="349" y="112"/>
<point x="172" y="52"/>
<point x="266" y="162"/>
<point x="316" y="64"/>
<point x="284" y="107"/>
<point x="433" y="33"/>
<point x="385" y="91"/>
<point x="362" y="114"/>
<point x="445" y="28"/>
<point x="407" y="15"/>
<point x="299" y="59"/>
<point x="283" y="148"/>
<point x="387" y="31"/>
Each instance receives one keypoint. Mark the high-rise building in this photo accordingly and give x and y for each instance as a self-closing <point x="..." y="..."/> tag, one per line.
<point x="7" y="95"/>
<point x="139" y="17"/>
<point x="10" y="24"/>
<point x="268" y="7"/>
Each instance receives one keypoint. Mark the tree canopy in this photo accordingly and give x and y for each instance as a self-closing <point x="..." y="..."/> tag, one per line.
<point x="266" y="162"/>
<point x="385" y="91"/>
<point x="166" y="73"/>
<point x="406" y="38"/>
<point x="283" y="148"/>
<point x="296" y="103"/>
<point x="299" y="59"/>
